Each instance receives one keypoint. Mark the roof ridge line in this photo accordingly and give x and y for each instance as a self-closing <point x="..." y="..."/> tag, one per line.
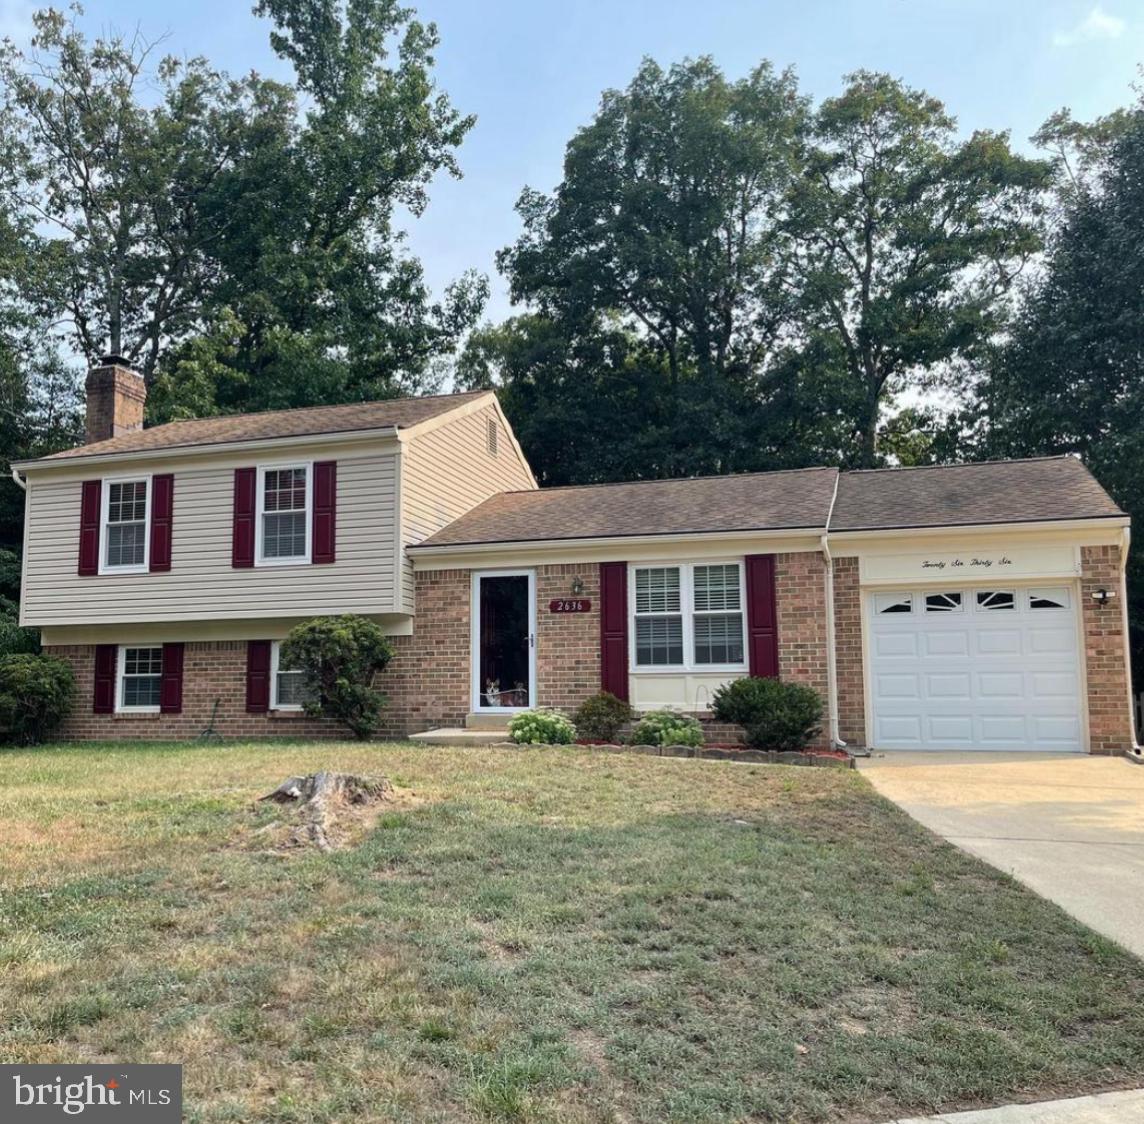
<point x="665" y="480"/>
<point x="959" y="464"/>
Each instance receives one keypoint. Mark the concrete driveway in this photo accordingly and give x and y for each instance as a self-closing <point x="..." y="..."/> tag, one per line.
<point x="1069" y="827"/>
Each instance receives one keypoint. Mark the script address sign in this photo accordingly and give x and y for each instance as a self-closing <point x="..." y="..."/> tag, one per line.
<point x="570" y="605"/>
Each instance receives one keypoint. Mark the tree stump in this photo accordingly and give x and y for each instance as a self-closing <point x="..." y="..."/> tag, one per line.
<point x="318" y="796"/>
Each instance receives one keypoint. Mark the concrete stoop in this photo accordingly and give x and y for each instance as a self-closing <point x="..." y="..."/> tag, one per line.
<point x="459" y="735"/>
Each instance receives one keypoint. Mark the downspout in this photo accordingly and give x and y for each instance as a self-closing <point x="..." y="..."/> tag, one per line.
<point x="831" y="669"/>
<point x="1136" y="753"/>
<point x="20" y="482"/>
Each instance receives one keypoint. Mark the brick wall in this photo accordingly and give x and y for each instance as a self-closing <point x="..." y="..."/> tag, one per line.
<point x="115" y="400"/>
<point x="800" y="597"/>
<point x="848" y="652"/>
<point x="567" y="644"/>
<point x="1109" y="717"/>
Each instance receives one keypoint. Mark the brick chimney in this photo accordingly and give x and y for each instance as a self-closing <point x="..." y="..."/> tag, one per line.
<point x="115" y="398"/>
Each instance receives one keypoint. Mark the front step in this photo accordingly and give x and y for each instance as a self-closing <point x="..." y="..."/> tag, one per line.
<point x="457" y="736"/>
<point x="478" y="721"/>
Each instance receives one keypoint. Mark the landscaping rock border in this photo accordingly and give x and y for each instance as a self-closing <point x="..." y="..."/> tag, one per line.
<point x="755" y="756"/>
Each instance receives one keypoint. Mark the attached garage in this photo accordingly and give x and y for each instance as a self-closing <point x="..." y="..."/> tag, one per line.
<point x="987" y="667"/>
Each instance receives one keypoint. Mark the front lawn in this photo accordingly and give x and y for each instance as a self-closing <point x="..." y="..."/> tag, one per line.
<point x="536" y="935"/>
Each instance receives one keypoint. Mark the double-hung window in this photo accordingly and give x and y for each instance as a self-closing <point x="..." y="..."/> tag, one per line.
<point x="125" y="517"/>
<point x="286" y="683"/>
<point x="284" y="514"/>
<point x="140" y="679"/>
<point x="688" y="617"/>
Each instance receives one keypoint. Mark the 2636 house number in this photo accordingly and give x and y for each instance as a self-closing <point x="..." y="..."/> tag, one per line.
<point x="570" y="605"/>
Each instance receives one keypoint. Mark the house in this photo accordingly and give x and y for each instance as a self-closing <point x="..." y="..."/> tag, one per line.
<point x="975" y="606"/>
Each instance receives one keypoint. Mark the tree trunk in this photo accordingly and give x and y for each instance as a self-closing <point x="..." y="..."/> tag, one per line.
<point x="319" y="794"/>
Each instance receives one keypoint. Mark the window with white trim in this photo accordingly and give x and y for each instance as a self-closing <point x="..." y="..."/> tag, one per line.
<point x="140" y="679"/>
<point x="688" y="617"/>
<point x="995" y="600"/>
<point x="284" y="514"/>
<point x="1040" y="599"/>
<point x="894" y="603"/>
<point x="125" y="517"/>
<point x="287" y="684"/>
<point x="943" y="602"/>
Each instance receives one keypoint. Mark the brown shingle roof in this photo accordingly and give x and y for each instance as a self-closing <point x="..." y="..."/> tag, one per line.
<point x="1020" y="491"/>
<point x="231" y="428"/>
<point x="749" y="502"/>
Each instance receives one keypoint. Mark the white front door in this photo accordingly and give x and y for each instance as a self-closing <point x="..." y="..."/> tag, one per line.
<point x="986" y="668"/>
<point x="503" y="640"/>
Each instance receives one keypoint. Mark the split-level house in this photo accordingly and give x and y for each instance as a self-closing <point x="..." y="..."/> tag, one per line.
<point x="966" y="607"/>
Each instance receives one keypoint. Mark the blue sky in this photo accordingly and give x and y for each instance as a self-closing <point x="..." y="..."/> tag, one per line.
<point x="532" y="71"/>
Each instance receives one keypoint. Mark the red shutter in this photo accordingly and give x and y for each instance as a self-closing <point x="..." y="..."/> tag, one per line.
<point x="90" y="512"/>
<point x="242" y="542"/>
<point x="162" y="516"/>
<point x="171" y="685"/>
<point x="103" y="700"/>
<point x="257" y="676"/>
<point x="325" y="512"/>
<point x="614" y="628"/>
<point x="762" y="617"/>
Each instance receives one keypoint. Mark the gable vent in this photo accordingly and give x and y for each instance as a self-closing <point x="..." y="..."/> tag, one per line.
<point x="491" y="437"/>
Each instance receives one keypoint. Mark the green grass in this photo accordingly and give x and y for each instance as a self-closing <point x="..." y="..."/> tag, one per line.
<point x="536" y="935"/>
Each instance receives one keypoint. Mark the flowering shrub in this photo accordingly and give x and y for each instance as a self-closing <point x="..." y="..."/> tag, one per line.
<point x="541" y="727"/>
<point x="667" y="727"/>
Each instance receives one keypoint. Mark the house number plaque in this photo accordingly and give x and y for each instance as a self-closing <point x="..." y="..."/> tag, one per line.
<point x="570" y="605"/>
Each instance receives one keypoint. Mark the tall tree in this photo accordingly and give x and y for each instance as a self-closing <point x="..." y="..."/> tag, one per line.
<point x="905" y="239"/>
<point x="1071" y="377"/>
<point x="668" y="219"/>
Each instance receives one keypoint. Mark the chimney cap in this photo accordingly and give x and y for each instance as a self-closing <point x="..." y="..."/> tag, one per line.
<point x="114" y="361"/>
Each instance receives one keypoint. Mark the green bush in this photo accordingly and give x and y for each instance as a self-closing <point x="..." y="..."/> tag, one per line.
<point x="339" y="657"/>
<point x="775" y="715"/>
<point x="667" y="727"/>
<point x="601" y="717"/>
<point x="35" y="695"/>
<point x="541" y="727"/>
<point x="15" y="640"/>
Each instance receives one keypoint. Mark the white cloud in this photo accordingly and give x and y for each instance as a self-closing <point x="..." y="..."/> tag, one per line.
<point x="1098" y="24"/>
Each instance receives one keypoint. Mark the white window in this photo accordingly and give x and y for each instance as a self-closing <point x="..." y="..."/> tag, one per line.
<point x="1040" y="599"/>
<point x="688" y="616"/>
<point x="943" y="602"/>
<point x="894" y="603"/>
<point x="286" y="683"/>
<point x="140" y="679"/>
<point x="995" y="600"/>
<point x="283" y="514"/>
<point x="124" y="546"/>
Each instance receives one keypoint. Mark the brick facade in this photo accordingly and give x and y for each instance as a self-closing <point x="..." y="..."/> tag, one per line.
<point x="1109" y="717"/>
<point x="800" y="598"/>
<point x="567" y="644"/>
<point x="848" y="653"/>
<point x="116" y="397"/>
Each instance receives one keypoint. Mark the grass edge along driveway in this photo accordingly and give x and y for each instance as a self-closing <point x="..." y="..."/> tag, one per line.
<point x="534" y="935"/>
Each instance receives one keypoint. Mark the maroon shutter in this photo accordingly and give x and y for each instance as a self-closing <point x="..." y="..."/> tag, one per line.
<point x="171" y="685"/>
<point x="162" y="516"/>
<point x="257" y="676"/>
<point x="90" y="511"/>
<point x="325" y="511"/>
<point x="103" y="700"/>
<point x="762" y="617"/>
<point x="242" y="542"/>
<point x="614" y="628"/>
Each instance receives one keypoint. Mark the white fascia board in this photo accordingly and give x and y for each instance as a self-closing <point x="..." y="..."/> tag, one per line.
<point x="896" y="537"/>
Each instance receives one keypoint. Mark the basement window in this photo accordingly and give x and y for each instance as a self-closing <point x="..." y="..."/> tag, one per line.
<point x="287" y="682"/>
<point x="140" y="680"/>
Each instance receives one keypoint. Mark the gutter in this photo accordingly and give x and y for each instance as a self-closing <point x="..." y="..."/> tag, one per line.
<point x="21" y="483"/>
<point x="1136" y="753"/>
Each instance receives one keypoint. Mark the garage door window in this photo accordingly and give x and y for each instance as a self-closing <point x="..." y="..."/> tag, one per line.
<point x="1048" y="599"/>
<point x="894" y="603"/>
<point x="943" y="603"/>
<point x="996" y="600"/>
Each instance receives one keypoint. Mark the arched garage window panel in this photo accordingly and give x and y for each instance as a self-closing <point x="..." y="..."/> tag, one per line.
<point x="943" y="603"/>
<point x="1049" y="599"/>
<point x="894" y="603"/>
<point x="994" y="600"/>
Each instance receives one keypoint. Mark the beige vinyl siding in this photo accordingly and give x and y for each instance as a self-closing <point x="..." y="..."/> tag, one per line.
<point x="449" y="471"/>
<point x="202" y="585"/>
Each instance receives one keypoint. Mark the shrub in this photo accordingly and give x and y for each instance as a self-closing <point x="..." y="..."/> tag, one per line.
<point x="601" y="717"/>
<point x="35" y="694"/>
<point x="541" y="727"/>
<point x="667" y="727"/>
<point x="775" y="715"/>
<point x="15" y="640"/>
<point x="339" y="657"/>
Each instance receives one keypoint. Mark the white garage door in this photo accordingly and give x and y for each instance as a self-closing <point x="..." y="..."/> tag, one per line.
<point x="978" y="668"/>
